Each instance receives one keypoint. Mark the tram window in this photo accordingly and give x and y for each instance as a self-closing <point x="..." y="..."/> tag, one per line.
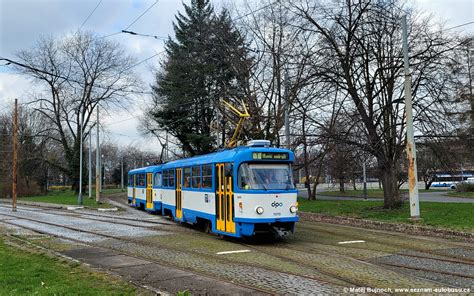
<point x="187" y="177"/>
<point x="206" y="176"/>
<point x="196" y="179"/>
<point x="141" y="180"/>
<point x="171" y="178"/>
<point x="228" y="170"/>
<point x="130" y="180"/>
<point x="165" y="178"/>
<point x="265" y="176"/>
<point x="157" y="180"/>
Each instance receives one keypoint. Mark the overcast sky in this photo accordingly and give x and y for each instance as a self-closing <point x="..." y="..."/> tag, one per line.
<point x="23" y="21"/>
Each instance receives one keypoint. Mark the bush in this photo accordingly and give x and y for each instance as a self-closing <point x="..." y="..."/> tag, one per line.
<point x="465" y="187"/>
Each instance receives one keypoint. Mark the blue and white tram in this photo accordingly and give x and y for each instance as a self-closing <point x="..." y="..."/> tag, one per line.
<point x="237" y="192"/>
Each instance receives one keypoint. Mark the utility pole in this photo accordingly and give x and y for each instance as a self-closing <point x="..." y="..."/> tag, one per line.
<point x="15" y="155"/>
<point x="97" y="162"/>
<point x="411" y="148"/>
<point x="121" y="175"/>
<point x="365" y="179"/>
<point x="166" y="145"/>
<point x="287" y="107"/>
<point x="79" y="197"/>
<point x="90" y="164"/>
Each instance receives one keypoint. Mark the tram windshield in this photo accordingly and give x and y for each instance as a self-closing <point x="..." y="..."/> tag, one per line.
<point x="265" y="177"/>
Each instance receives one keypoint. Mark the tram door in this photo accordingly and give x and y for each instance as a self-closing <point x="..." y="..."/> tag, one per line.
<point x="224" y="198"/>
<point x="179" y="193"/>
<point x="134" y="194"/>
<point x="149" y="190"/>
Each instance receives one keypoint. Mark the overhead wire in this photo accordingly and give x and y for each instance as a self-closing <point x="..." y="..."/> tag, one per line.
<point x="77" y="81"/>
<point x="458" y="26"/>
<point x="141" y="15"/>
<point x="90" y="14"/>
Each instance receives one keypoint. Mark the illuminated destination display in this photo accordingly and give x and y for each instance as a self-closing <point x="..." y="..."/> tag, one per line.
<point x="270" y="155"/>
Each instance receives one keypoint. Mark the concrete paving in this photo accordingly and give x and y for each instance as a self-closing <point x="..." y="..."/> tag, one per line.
<point x="159" y="277"/>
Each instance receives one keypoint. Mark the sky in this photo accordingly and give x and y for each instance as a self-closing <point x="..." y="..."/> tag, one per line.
<point x="22" y="22"/>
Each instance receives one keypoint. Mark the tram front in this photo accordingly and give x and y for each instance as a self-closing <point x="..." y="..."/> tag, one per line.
<point x="265" y="194"/>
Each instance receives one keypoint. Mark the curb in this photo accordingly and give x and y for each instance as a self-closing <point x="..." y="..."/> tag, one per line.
<point x="379" y="225"/>
<point x="57" y="206"/>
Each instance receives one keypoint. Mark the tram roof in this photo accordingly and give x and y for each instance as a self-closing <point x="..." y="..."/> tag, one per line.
<point x="215" y="157"/>
<point x="222" y="156"/>
<point x="147" y="169"/>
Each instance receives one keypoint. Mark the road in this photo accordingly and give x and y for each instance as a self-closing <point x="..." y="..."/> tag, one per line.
<point x="435" y="196"/>
<point x="319" y="258"/>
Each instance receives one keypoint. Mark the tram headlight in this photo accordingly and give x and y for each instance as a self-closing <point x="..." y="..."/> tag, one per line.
<point x="259" y="210"/>
<point x="293" y="209"/>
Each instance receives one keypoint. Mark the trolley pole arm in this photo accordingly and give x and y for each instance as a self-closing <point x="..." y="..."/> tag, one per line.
<point x="242" y="116"/>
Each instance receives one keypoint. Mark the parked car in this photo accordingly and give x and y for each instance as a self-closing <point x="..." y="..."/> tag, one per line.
<point x="468" y="180"/>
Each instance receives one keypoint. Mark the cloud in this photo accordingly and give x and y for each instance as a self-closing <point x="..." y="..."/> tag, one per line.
<point x="12" y="86"/>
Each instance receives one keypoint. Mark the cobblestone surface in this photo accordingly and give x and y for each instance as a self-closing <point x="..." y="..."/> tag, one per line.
<point x="309" y="262"/>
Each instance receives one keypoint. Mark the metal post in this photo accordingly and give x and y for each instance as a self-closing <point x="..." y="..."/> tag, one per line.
<point x="90" y="164"/>
<point x="15" y="155"/>
<point x="166" y="145"/>
<point x="97" y="162"/>
<point x="365" y="180"/>
<point x="287" y="115"/>
<point x="79" y="197"/>
<point x="411" y="149"/>
<point x="121" y="175"/>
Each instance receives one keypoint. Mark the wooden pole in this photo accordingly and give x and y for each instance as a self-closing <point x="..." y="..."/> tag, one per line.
<point x="15" y="155"/>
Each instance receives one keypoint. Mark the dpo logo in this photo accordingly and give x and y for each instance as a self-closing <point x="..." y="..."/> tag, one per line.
<point x="276" y="204"/>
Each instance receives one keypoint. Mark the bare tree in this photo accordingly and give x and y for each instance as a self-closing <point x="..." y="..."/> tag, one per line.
<point x="361" y="43"/>
<point x="77" y="72"/>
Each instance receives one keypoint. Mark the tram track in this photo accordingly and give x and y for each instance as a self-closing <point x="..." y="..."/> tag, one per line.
<point x="404" y="246"/>
<point x="68" y="212"/>
<point x="450" y="259"/>
<point x="130" y="254"/>
<point x="151" y="244"/>
<point x="398" y="265"/>
<point x="358" y="261"/>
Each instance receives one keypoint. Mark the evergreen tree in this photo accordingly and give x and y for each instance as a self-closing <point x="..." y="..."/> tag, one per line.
<point x="206" y="63"/>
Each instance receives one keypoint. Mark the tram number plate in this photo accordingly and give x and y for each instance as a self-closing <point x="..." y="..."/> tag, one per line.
<point x="276" y="214"/>
<point x="270" y="155"/>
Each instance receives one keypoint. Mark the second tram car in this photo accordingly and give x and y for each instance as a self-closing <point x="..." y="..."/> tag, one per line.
<point x="237" y="192"/>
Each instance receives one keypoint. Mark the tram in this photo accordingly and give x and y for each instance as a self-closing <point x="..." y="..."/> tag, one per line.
<point x="236" y="192"/>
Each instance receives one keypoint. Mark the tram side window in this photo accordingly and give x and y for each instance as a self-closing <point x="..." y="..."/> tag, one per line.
<point x="196" y="179"/>
<point x="157" y="180"/>
<point x="130" y="180"/>
<point x="165" y="178"/>
<point x="206" y="176"/>
<point x="187" y="177"/>
<point x="141" y="180"/>
<point x="171" y="184"/>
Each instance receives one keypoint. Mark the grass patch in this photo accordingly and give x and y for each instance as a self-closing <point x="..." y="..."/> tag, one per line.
<point x="461" y="194"/>
<point x="373" y="193"/>
<point x="70" y="198"/>
<point x="448" y="215"/>
<point x="23" y="273"/>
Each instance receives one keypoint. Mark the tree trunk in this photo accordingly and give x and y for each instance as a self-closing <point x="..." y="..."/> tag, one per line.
<point x="315" y="185"/>
<point x="391" y="196"/>
<point x="305" y="159"/>
<point x="341" y="184"/>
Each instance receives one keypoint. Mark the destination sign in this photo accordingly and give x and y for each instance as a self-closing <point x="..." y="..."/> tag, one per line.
<point x="271" y="155"/>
